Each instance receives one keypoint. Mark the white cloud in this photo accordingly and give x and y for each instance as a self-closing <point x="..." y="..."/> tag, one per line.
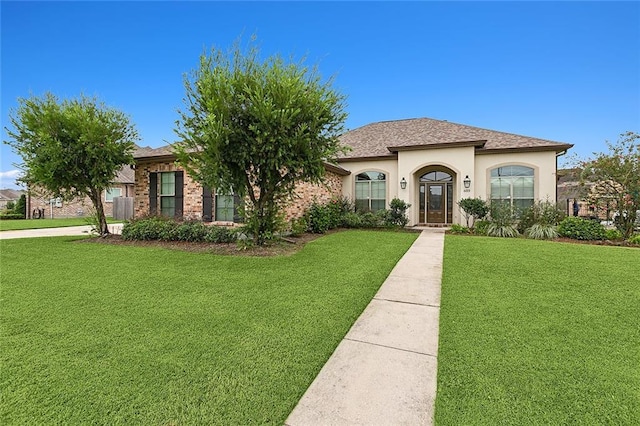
<point x="8" y="179"/>
<point x="11" y="174"/>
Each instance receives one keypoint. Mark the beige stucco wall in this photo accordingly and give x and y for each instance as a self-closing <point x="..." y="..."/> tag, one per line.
<point x="462" y="162"/>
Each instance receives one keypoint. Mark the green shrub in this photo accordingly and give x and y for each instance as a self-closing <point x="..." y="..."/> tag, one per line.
<point x="542" y="231"/>
<point x="191" y="231"/>
<point x="459" y="229"/>
<point x="541" y="212"/>
<point x="579" y="228"/>
<point x="298" y="226"/>
<point x="397" y="215"/>
<point x="220" y="234"/>
<point x="635" y="239"/>
<point x="613" y="234"/>
<point x="319" y="218"/>
<point x="352" y="220"/>
<point x="21" y="206"/>
<point x="11" y="216"/>
<point x="480" y="227"/>
<point x="148" y="228"/>
<point x="502" y="221"/>
<point x="474" y="207"/>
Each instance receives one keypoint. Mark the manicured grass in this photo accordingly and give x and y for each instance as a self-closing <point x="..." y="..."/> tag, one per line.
<point x="13" y="225"/>
<point x="108" y="334"/>
<point x="535" y="332"/>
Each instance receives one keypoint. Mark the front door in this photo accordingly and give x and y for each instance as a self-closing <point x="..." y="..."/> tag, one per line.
<point x="435" y="203"/>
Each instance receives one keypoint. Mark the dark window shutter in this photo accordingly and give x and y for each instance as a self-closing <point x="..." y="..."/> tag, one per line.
<point x="237" y="202"/>
<point x="207" y="204"/>
<point x="179" y="194"/>
<point x="153" y="193"/>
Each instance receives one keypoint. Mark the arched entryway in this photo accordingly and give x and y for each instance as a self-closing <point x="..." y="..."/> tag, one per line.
<point x="435" y="195"/>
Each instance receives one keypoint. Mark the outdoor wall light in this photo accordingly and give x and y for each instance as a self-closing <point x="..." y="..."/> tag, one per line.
<point x="467" y="182"/>
<point x="403" y="183"/>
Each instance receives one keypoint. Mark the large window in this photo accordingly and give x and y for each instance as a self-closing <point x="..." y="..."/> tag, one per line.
<point x="513" y="185"/>
<point x="168" y="194"/>
<point x="111" y="193"/>
<point x="371" y="191"/>
<point x="225" y="208"/>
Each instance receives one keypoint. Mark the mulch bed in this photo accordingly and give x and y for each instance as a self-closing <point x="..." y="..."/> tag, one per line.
<point x="285" y="247"/>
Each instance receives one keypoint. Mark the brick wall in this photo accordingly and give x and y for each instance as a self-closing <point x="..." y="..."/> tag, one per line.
<point x="79" y="207"/>
<point x="306" y="193"/>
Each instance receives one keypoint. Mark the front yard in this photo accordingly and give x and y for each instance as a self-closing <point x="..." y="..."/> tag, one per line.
<point x="112" y="334"/>
<point x="535" y="332"/>
<point x="14" y="225"/>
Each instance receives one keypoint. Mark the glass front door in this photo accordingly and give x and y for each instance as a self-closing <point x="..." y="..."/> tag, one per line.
<point x="436" y="202"/>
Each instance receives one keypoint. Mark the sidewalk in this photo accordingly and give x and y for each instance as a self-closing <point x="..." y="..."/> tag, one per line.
<point x="384" y="370"/>
<point x="114" y="228"/>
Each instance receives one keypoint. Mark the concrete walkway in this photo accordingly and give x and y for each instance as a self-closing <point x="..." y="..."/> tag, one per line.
<point x="114" y="228"/>
<point x="384" y="370"/>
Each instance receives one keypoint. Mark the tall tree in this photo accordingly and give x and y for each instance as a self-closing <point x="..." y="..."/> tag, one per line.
<point x="616" y="180"/>
<point x="256" y="128"/>
<point x="71" y="148"/>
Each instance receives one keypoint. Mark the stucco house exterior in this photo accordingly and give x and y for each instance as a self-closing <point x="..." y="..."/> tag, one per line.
<point x="431" y="164"/>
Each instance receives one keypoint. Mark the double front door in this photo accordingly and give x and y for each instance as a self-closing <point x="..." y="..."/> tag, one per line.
<point x="436" y="202"/>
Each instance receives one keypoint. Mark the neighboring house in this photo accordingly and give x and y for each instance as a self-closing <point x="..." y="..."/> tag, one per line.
<point x="9" y="195"/>
<point x="430" y="164"/>
<point x="38" y="204"/>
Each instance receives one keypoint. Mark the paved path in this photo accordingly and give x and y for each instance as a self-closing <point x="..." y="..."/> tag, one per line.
<point x="384" y="370"/>
<point x="114" y="228"/>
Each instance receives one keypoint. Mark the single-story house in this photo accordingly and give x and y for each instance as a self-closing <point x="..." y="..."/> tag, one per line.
<point x="430" y="164"/>
<point x="39" y="204"/>
<point x="9" y="196"/>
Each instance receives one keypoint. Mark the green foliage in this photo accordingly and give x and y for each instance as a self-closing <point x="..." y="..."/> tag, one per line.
<point x="459" y="229"/>
<point x="474" y="207"/>
<point x="319" y="218"/>
<point x="11" y="216"/>
<point x="634" y="239"/>
<point x="398" y="213"/>
<point x="613" y="234"/>
<point x="579" y="228"/>
<point x="502" y="221"/>
<point x="21" y="206"/>
<point x="298" y="226"/>
<point x="541" y="212"/>
<point x="480" y="227"/>
<point x="258" y="127"/>
<point x="10" y="205"/>
<point x="542" y="231"/>
<point x="72" y="148"/>
<point x="168" y="229"/>
<point x="616" y="180"/>
<point x="352" y="220"/>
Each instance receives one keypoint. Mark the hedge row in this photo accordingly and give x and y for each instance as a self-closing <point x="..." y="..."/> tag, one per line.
<point x="164" y="229"/>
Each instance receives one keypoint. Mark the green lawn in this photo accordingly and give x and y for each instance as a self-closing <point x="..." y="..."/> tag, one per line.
<point x="13" y="225"/>
<point x="108" y="334"/>
<point x="536" y="332"/>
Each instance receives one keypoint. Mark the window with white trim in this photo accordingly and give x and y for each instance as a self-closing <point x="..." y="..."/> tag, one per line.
<point x="513" y="185"/>
<point x="168" y="194"/>
<point x="371" y="191"/>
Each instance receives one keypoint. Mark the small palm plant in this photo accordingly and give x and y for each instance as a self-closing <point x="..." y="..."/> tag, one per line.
<point x="502" y="220"/>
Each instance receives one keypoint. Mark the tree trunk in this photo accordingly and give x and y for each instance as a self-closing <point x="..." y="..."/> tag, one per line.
<point x="96" y="199"/>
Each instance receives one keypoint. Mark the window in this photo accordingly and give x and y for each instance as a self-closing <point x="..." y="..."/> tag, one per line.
<point x="513" y="185"/>
<point x="225" y="208"/>
<point x="371" y="189"/>
<point x="168" y="194"/>
<point x="111" y="193"/>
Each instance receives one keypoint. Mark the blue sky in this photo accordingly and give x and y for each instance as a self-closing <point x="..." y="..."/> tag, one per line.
<point x="565" y="71"/>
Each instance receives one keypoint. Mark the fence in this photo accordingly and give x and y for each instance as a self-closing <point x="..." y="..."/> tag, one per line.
<point x="122" y="208"/>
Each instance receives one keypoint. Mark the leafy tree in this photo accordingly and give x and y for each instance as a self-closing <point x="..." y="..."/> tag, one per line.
<point x="72" y="148"/>
<point x="616" y="180"/>
<point x="10" y="206"/>
<point x="256" y="128"/>
<point x="21" y="206"/>
<point x="473" y="207"/>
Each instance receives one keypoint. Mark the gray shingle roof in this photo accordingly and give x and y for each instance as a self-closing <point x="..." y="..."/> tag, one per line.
<point x="384" y="138"/>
